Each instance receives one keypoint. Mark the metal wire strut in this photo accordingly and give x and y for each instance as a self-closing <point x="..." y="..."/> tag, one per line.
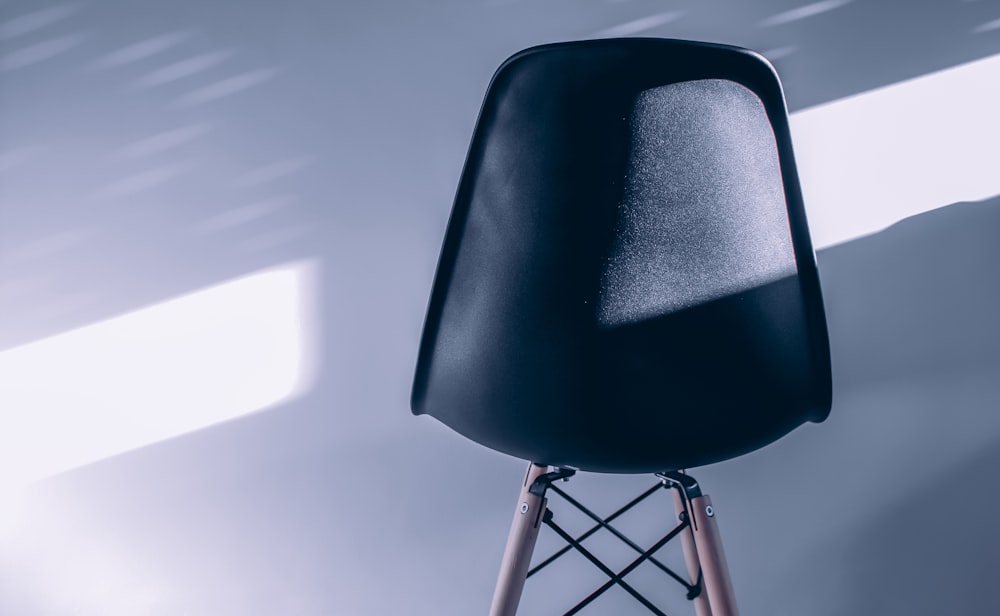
<point x="707" y="581"/>
<point x="616" y="578"/>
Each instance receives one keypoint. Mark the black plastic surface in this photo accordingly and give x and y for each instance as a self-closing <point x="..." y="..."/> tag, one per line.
<point x="514" y="354"/>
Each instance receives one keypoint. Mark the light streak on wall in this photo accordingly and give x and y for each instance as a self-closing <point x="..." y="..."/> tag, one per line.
<point x="871" y="160"/>
<point x="159" y="372"/>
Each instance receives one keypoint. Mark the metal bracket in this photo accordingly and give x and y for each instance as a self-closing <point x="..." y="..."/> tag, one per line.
<point x="686" y="484"/>
<point x="542" y="482"/>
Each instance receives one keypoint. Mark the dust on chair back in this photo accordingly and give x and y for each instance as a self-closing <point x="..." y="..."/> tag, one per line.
<point x="627" y="282"/>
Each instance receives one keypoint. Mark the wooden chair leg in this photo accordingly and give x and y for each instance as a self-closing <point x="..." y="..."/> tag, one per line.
<point x="702" y="545"/>
<point x="701" y="605"/>
<point x="520" y="545"/>
<point x="715" y="571"/>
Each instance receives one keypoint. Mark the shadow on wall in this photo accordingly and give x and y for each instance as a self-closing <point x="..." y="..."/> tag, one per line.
<point x="923" y="305"/>
<point x="936" y="551"/>
<point x="918" y="299"/>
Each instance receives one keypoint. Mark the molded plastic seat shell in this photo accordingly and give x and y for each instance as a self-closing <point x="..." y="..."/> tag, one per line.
<point x="627" y="282"/>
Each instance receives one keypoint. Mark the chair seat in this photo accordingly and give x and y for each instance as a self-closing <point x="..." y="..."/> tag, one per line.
<point x="627" y="282"/>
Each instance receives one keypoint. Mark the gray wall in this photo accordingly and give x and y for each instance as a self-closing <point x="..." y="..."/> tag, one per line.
<point x="354" y="118"/>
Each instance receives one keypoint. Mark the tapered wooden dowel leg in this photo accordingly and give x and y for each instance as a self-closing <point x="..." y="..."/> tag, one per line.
<point x="520" y="545"/>
<point x="715" y="571"/>
<point x="701" y="606"/>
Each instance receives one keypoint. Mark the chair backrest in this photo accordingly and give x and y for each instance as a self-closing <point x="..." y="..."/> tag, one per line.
<point x="627" y="282"/>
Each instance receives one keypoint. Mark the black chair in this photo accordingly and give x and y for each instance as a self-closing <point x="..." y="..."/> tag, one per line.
<point x="627" y="283"/>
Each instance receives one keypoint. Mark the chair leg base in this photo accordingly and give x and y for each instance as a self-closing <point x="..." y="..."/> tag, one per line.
<point x="710" y="587"/>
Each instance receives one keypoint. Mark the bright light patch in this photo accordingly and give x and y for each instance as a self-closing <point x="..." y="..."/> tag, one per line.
<point x="153" y="374"/>
<point x="871" y="160"/>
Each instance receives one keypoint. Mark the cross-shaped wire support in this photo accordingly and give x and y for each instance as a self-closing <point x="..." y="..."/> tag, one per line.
<point x="684" y="484"/>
